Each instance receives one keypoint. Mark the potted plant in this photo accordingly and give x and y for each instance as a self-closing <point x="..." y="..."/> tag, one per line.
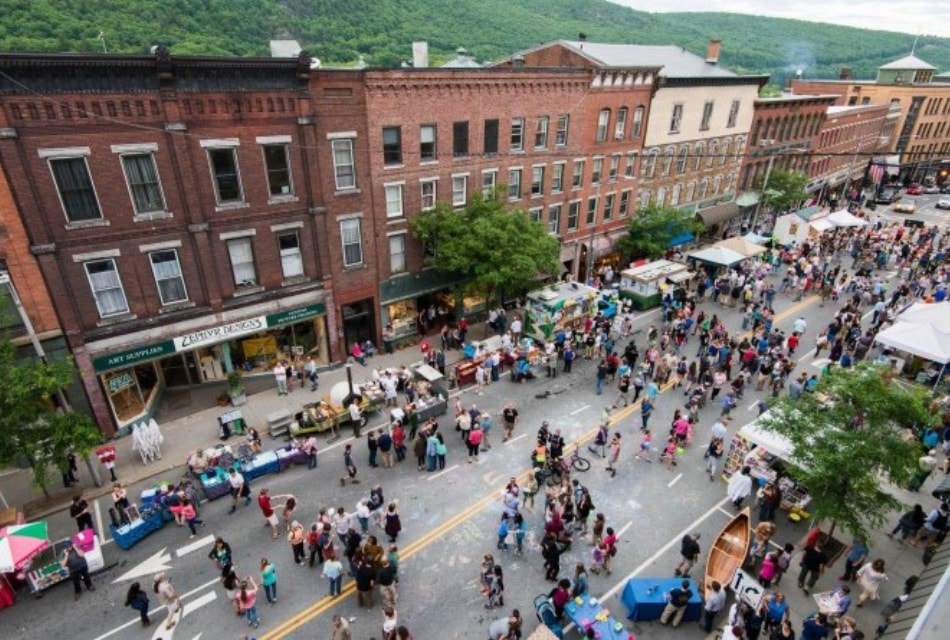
<point x="236" y="389"/>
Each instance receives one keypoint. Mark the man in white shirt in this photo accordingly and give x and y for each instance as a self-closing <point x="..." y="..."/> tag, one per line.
<point x="740" y="486"/>
<point x="715" y="601"/>
<point x="719" y="429"/>
<point x="280" y="375"/>
<point x="239" y="489"/>
<point x="516" y="329"/>
<point x="388" y="383"/>
<point x="799" y="326"/>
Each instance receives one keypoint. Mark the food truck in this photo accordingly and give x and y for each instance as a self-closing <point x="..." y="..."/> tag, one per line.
<point x="646" y="284"/>
<point x="558" y="306"/>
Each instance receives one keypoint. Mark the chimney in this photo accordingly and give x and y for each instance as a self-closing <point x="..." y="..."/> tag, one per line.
<point x="420" y="54"/>
<point x="712" y="51"/>
<point x="517" y="61"/>
<point x="844" y="73"/>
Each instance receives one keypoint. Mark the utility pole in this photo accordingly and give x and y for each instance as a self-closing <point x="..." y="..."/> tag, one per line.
<point x="765" y="184"/>
<point x="41" y="354"/>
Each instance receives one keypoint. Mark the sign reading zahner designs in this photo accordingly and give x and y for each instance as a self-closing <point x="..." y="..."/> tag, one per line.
<point x="215" y="335"/>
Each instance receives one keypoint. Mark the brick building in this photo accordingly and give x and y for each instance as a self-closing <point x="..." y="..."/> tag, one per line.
<point x="784" y="131"/>
<point x="562" y="146"/>
<point x="846" y="143"/>
<point x="195" y="216"/>
<point x="700" y="115"/>
<point x="920" y="146"/>
<point x="175" y="211"/>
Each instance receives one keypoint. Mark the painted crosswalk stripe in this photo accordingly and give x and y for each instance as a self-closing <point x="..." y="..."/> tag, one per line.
<point x="194" y="546"/>
<point x="442" y="473"/>
<point x="576" y="411"/>
<point x="675" y="480"/>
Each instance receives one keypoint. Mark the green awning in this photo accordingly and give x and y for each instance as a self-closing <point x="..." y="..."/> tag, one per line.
<point x="748" y="199"/>
<point x="415" y="284"/>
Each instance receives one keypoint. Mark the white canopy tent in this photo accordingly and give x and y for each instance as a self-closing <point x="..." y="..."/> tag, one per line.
<point x="919" y="339"/>
<point x="741" y="245"/>
<point x="844" y="218"/>
<point x="936" y="314"/>
<point x="821" y="224"/>
<point x="776" y="444"/>
<point x="718" y="255"/>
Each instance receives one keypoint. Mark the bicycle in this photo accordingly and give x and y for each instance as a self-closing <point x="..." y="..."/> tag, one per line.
<point x="579" y="462"/>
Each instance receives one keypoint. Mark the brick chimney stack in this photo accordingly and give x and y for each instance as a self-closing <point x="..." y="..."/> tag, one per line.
<point x="712" y="51"/>
<point x="844" y="73"/>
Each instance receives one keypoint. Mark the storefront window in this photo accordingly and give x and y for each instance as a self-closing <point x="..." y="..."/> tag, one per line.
<point x="402" y="316"/>
<point x="130" y="390"/>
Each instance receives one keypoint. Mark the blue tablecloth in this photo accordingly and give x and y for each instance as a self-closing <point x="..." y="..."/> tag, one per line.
<point x="263" y="463"/>
<point x="584" y="615"/>
<point x="645" y="598"/>
<point x="216" y="486"/>
<point x="128" y="535"/>
<point x="287" y="456"/>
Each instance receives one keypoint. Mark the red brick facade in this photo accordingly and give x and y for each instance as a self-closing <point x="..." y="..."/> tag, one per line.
<point x="787" y="128"/>
<point x="847" y="135"/>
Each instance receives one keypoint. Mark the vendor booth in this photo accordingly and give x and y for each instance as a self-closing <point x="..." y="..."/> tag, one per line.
<point x="844" y="218"/>
<point x="558" y="306"/>
<point x="587" y="612"/>
<point x="766" y="453"/>
<point x="741" y="246"/>
<point x="46" y="569"/>
<point x="645" y="598"/>
<point x="798" y="226"/>
<point x="715" y="257"/>
<point x="923" y="330"/>
<point x="431" y="395"/>
<point x="646" y="284"/>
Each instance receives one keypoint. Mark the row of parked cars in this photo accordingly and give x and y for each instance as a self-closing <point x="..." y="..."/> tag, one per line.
<point x="889" y="195"/>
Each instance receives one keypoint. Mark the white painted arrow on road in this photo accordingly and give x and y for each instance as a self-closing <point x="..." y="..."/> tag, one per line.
<point x="159" y="561"/>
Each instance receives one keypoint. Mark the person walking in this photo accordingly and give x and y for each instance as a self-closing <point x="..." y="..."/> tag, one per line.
<point x="280" y="377"/>
<point x="341" y="629"/>
<point x="855" y="559"/>
<point x="265" y="502"/>
<point x="247" y="600"/>
<point x="190" y="515"/>
<point x="169" y="598"/>
<point x="677" y="599"/>
<point x="349" y="465"/>
<point x="715" y="601"/>
<point x="386" y="579"/>
<point x="740" y="487"/>
<point x="870" y="577"/>
<point x="221" y="554"/>
<point x="812" y="564"/>
<point x="239" y="489"/>
<point x="393" y="525"/>
<point x="510" y="417"/>
<point x="614" y="455"/>
<point x="333" y="572"/>
<point x="296" y="539"/>
<point x="75" y="563"/>
<point x="713" y="454"/>
<point x="689" y="553"/>
<point x="473" y="442"/>
<point x="79" y="510"/>
<point x="601" y="375"/>
<point x="269" y="581"/>
<point x="646" y="410"/>
<point x="138" y="600"/>
<point x="365" y="581"/>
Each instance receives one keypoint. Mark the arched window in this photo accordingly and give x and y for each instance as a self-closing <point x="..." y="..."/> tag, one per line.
<point x="675" y="195"/>
<point x="724" y="152"/>
<point x="713" y="152"/>
<point x="668" y="154"/>
<point x="648" y="166"/>
<point x="703" y="188"/>
<point x="690" y="192"/>
<point x="681" y="160"/>
<point x="698" y="152"/>
<point x="717" y="183"/>
<point x="661" y="196"/>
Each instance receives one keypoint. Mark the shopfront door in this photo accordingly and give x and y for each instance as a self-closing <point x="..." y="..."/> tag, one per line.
<point x="582" y="265"/>
<point x="180" y="370"/>
<point x="358" y="322"/>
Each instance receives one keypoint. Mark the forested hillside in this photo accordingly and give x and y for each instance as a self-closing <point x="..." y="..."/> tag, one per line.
<point x="382" y="30"/>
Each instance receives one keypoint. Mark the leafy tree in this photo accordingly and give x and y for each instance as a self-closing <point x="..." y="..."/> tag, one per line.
<point x="785" y="189"/>
<point x="849" y="438"/>
<point x="498" y="251"/>
<point x="30" y="425"/>
<point x="652" y="229"/>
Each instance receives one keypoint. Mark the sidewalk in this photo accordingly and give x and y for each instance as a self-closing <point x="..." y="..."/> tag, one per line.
<point x="198" y="430"/>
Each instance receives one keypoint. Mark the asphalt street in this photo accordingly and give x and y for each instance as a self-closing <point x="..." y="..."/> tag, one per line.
<point x="449" y="521"/>
<point x="927" y="211"/>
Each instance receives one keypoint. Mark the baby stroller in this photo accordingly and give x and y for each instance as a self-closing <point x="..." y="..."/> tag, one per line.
<point x="546" y="616"/>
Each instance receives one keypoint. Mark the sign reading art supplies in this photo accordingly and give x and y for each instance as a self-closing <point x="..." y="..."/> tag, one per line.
<point x="206" y="337"/>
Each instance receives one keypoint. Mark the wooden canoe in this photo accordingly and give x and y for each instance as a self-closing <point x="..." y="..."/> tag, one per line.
<point x="728" y="550"/>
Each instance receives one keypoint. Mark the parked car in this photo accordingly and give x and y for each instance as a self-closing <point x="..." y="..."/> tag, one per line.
<point x="915" y="190"/>
<point x="905" y="206"/>
<point x="931" y="189"/>
<point x="945" y="188"/>
<point x="887" y="196"/>
<point x="943" y="203"/>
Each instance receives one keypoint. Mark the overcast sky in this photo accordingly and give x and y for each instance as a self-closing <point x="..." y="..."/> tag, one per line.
<point x="909" y="16"/>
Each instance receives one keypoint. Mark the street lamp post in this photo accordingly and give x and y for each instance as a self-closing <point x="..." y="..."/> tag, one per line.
<point x="765" y="182"/>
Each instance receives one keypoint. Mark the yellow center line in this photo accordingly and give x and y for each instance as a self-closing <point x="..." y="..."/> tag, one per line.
<point x="324" y="604"/>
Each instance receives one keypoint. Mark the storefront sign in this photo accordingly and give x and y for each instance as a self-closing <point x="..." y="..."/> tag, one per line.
<point x="119" y="382"/>
<point x="214" y="335"/>
<point x="296" y="315"/>
<point x="206" y="337"/>
<point x="132" y="356"/>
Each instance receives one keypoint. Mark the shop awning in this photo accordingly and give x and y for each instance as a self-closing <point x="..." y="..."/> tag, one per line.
<point x="718" y="213"/>
<point x="681" y="239"/>
<point x="717" y="255"/>
<point x="416" y="284"/>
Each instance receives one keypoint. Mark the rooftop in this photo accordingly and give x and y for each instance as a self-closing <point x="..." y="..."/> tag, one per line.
<point x="909" y="62"/>
<point x="796" y="97"/>
<point x="676" y="61"/>
<point x="462" y="60"/>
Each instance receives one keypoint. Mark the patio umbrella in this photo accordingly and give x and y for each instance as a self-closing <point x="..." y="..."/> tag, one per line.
<point x="20" y="542"/>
